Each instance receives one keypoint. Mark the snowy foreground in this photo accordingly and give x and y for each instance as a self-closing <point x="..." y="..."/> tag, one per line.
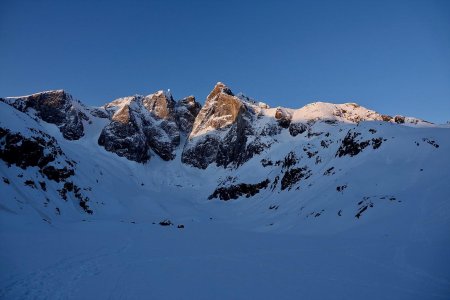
<point x="210" y="260"/>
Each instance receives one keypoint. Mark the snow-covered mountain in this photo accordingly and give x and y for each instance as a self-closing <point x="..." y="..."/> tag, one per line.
<point x="321" y="169"/>
<point x="54" y="151"/>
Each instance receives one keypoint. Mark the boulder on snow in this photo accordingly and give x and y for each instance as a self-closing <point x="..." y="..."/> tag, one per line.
<point x="166" y="222"/>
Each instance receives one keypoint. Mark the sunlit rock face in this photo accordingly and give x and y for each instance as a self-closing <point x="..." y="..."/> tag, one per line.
<point x="124" y="135"/>
<point x="141" y="125"/>
<point x="161" y="105"/>
<point x="221" y="109"/>
<point x="55" y="107"/>
<point x="227" y="131"/>
<point x="251" y="150"/>
<point x="221" y="131"/>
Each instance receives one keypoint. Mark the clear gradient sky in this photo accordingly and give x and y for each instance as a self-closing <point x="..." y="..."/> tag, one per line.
<point x="390" y="56"/>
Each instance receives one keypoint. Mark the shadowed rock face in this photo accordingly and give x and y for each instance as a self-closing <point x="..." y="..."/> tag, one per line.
<point x="36" y="149"/>
<point x="125" y="139"/>
<point x="233" y="149"/>
<point x="220" y="132"/>
<point x="140" y="125"/>
<point x="55" y="107"/>
<point x="297" y="128"/>
<point x="162" y="138"/>
<point x="185" y="112"/>
<point x="123" y="135"/>
<point x="24" y="152"/>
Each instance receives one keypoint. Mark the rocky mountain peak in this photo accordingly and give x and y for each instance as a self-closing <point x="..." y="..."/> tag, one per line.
<point x="228" y="130"/>
<point x="120" y="109"/>
<point x="221" y="109"/>
<point x="141" y="125"/>
<point x="189" y="102"/>
<point x="55" y="107"/>
<point x="220" y="131"/>
<point x="160" y="104"/>
<point x="218" y="89"/>
<point x="48" y="100"/>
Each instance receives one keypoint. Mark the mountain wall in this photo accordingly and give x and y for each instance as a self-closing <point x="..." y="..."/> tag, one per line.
<point x="320" y="164"/>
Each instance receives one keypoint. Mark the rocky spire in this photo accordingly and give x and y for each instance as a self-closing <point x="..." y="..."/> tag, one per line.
<point x="219" y="88"/>
<point x="220" y="131"/>
<point x="221" y="109"/>
<point x="160" y="104"/>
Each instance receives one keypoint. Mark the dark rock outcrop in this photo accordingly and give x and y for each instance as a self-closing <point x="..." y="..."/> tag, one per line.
<point x="125" y="139"/>
<point x="289" y="160"/>
<point x="35" y="151"/>
<point x="71" y="188"/>
<point x="38" y="149"/>
<point x="294" y="175"/>
<point x="235" y="191"/>
<point x="166" y="222"/>
<point x="57" y="174"/>
<point x="297" y="128"/>
<point x="431" y="142"/>
<point x="99" y="113"/>
<point x="351" y="145"/>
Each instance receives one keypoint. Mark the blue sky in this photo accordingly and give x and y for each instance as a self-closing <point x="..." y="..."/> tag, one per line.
<point x="391" y="56"/>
